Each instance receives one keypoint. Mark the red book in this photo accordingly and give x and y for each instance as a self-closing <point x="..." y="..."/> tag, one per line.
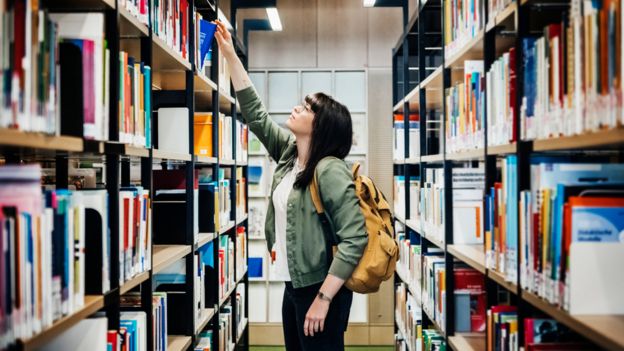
<point x="126" y="219"/>
<point x="112" y="340"/>
<point x="512" y="94"/>
<point x="473" y="281"/>
<point x="19" y="35"/>
<point x="88" y="83"/>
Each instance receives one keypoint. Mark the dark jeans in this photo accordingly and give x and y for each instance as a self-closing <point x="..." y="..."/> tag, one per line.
<point x="294" y="308"/>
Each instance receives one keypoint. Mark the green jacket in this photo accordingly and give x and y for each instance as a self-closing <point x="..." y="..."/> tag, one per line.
<point x="305" y="241"/>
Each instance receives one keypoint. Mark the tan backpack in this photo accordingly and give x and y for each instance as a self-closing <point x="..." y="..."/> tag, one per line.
<point x="381" y="254"/>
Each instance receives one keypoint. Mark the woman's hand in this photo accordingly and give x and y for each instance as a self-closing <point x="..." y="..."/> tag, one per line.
<point x="224" y="39"/>
<point x="315" y="318"/>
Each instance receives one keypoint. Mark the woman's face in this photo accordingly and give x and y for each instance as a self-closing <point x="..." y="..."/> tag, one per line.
<point x="300" y="120"/>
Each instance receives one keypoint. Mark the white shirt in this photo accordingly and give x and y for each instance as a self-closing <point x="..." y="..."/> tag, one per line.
<point x="280" y="204"/>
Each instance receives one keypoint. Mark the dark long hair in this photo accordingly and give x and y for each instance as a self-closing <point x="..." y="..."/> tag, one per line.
<point x="332" y="134"/>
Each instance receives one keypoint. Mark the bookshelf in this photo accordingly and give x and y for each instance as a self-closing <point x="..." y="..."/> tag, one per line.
<point x="427" y="65"/>
<point x="121" y="165"/>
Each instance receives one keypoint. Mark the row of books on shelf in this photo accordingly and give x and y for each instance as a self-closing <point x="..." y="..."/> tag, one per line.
<point x="398" y="144"/>
<point x="465" y="110"/>
<point x="501" y="222"/>
<point x="469" y="294"/>
<point x="212" y="203"/>
<point x="572" y="79"/>
<point x="571" y="224"/>
<point x="170" y="23"/>
<point x="45" y="240"/>
<point x="463" y="20"/>
<point x="408" y="312"/>
<point x="208" y="341"/>
<point x="173" y="127"/>
<point x="70" y="95"/>
<point x="427" y="204"/>
<point x="539" y="333"/>
<point x="573" y="73"/>
<point x="138" y="9"/>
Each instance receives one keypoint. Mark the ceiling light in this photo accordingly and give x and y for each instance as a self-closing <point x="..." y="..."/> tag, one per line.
<point x="274" y="18"/>
<point x="369" y="3"/>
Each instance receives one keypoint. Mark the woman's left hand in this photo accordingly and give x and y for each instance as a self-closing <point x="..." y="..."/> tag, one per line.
<point x="315" y="318"/>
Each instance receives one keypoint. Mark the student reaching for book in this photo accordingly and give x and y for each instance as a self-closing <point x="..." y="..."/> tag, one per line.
<point x="316" y="304"/>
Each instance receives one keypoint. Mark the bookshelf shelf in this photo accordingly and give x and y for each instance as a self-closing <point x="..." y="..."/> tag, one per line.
<point x="205" y="317"/>
<point x="178" y="342"/>
<point x="125" y="149"/>
<point x="227" y="162"/>
<point x="434" y="240"/>
<point x="433" y="322"/>
<point x="413" y="98"/>
<point x="399" y="106"/>
<point x="167" y="59"/>
<point x="172" y="156"/>
<point x="227" y="294"/>
<point x="402" y="331"/>
<point x="399" y="218"/>
<point x="165" y="255"/>
<point x="605" y="331"/>
<point x="468" y="342"/>
<point x="412" y="161"/>
<point x="226" y="96"/>
<point x="432" y="158"/>
<point x="63" y="5"/>
<point x="401" y="273"/>
<point x="472" y="255"/>
<point x="602" y="139"/>
<point x="206" y="160"/>
<point x="413" y="225"/>
<point x="227" y="228"/>
<point x="241" y="330"/>
<point x="242" y="219"/>
<point x="205" y="238"/>
<point x="20" y="139"/>
<point x="92" y="303"/>
<point x="473" y="50"/>
<point x="434" y="80"/>
<point x="500" y="280"/>
<point x="132" y="283"/>
<point x="475" y="154"/>
<point x="130" y="26"/>
<point x="505" y="18"/>
<point x="502" y="149"/>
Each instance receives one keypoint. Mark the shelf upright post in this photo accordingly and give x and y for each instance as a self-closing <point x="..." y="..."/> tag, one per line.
<point x="147" y="287"/>
<point x="214" y="72"/>
<point x="190" y="181"/>
<point x="113" y="181"/>
<point x="422" y="94"/>
<point x="449" y="303"/>
<point x="406" y="114"/>
<point x="523" y="150"/>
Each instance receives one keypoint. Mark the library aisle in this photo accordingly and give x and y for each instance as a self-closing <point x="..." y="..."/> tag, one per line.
<point x="133" y="198"/>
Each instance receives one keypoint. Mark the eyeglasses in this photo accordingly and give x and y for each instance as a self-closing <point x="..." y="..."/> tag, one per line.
<point x="302" y="107"/>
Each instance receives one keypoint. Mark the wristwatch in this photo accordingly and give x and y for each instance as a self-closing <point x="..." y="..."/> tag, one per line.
<point x="324" y="297"/>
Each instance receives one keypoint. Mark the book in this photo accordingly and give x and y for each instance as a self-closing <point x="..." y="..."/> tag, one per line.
<point x="465" y="106"/>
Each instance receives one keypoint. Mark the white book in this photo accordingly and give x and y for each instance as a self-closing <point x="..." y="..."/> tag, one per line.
<point x="173" y="129"/>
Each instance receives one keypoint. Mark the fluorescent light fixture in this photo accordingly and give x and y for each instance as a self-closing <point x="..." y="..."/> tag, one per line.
<point x="224" y="20"/>
<point x="369" y="3"/>
<point x="274" y="18"/>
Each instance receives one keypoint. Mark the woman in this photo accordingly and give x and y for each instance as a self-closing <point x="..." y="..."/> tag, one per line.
<point x="316" y="306"/>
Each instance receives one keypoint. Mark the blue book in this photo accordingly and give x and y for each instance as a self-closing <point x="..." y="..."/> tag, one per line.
<point x="602" y="224"/>
<point x="206" y="34"/>
<point x="530" y="74"/>
<point x="255" y="267"/>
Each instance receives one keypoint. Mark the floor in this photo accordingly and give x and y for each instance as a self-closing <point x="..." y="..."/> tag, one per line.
<point x="353" y="348"/>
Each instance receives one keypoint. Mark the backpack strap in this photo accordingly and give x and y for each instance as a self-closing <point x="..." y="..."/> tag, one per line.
<point x="316" y="196"/>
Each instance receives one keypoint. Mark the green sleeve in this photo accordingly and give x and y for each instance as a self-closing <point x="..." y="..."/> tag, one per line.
<point x="337" y="192"/>
<point x="274" y="138"/>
